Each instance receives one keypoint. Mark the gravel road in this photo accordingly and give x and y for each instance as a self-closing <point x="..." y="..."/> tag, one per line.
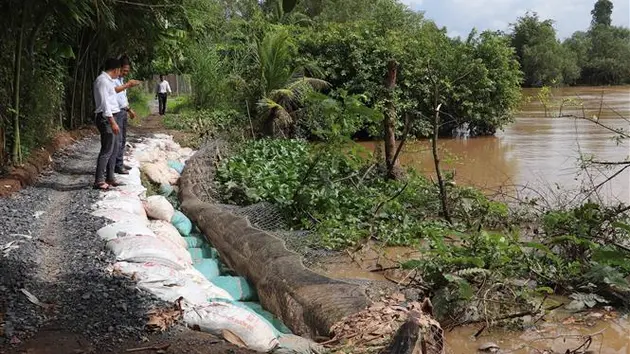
<point x="49" y="249"/>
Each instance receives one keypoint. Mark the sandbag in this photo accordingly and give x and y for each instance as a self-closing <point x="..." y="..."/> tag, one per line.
<point x="198" y="253"/>
<point x="185" y="154"/>
<point x="217" y="317"/>
<point x="182" y="223"/>
<point x="237" y="287"/>
<point x="292" y="344"/>
<point x="159" y="172"/>
<point x="209" y="268"/>
<point x="120" y="215"/>
<point x="123" y="229"/>
<point x="131" y="205"/>
<point x="143" y="248"/>
<point x="167" y="231"/>
<point x="158" y="207"/>
<point x="166" y="189"/>
<point x="133" y="178"/>
<point x="169" y="284"/>
<point x="177" y="166"/>
<point x="193" y="241"/>
<point x="275" y="322"/>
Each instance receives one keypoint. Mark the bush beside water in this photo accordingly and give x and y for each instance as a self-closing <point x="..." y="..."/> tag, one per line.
<point x="344" y="200"/>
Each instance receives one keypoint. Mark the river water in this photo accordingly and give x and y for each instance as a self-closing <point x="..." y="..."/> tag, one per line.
<point x="538" y="155"/>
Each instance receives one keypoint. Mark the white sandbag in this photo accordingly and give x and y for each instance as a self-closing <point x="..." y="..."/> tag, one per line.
<point x="172" y="156"/>
<point x="159" y="208"/>
<point x="150" y="153"/>
<point x="132" y="190"/>
<point x="128" y="204"/>
<point x="215" y="317"/>
<point x="133" y="178"/>
<point x="169" y="284"/>
<point x="143" y="248"/>
<point x="124" y="229"/>
<point x="167" y="231"/>
<point x="159" y="172"/>
<point x="120" y="215"/>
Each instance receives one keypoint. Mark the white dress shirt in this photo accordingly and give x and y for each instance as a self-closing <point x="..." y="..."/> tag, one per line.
<point x="105" y="95"/>
<point x="163" y="87"/>
<point x="121" y="97"/>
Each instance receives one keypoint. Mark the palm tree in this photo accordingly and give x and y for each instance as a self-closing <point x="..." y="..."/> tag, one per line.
<point x="284" y="88"/>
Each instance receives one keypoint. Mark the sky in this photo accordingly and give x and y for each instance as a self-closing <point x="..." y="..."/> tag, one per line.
<point x="460" y="16"/>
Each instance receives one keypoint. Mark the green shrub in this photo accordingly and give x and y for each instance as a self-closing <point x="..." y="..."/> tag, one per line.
<point x="338" y="194"/>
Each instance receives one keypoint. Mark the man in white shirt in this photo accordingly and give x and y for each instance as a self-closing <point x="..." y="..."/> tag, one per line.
<point x="106" y="104"/>
<point x="121" y="117"/>
<point x="161" y="92"/>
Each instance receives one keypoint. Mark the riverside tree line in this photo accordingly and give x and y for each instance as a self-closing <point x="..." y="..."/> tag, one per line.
<point x="261" y="58"/>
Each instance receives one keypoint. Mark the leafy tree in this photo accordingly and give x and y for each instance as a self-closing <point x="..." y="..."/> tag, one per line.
<point x="543" y="60"/>
<point x="284" y="87"/>
<point x="602" y="13"/>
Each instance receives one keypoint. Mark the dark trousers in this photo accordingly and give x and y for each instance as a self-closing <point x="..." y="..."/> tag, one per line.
<point x="106" y="158"/>
<point x="162" y="103"/>
<point x="121" y="120"/>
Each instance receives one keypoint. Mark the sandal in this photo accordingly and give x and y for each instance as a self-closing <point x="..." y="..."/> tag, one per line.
<point x="103" y="186"/>
<point x="115" y="183"/>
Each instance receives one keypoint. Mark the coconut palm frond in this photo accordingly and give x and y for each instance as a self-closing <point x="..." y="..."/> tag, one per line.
<point x="274" y="57"/>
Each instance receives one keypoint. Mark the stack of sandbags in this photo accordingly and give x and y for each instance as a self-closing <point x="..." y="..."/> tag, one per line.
<point x="154" y="245"/>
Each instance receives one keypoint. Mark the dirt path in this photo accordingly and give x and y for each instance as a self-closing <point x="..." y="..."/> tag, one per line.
<point x="56" y="295"/>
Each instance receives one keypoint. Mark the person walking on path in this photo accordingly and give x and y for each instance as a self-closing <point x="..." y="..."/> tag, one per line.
<point x="104" y="119"/>
<point x="161" y="92"/>
<point x="122" y="116"/>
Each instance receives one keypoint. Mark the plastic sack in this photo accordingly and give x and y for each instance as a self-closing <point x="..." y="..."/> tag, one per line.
<point x="131" y="205"/>
<point x="237" y="287"/>
<point x="158" y="207"/>
<point x="275" y="322"/>
<point x="218" y="316"/>
<point x="133" y="178"/>
<point x="291" y="344"/>
<point x="209" y="268"/>
<point x="169" y="284"/>
<point x="143" y="248"/>
<point x="159" y="173"/>
<point x="177" y="166"/>
<point x="194" y="241"/>
<point x="168" y="232"/>
<point x="120" y="215"/>
<point x="199" y="253"/>
<point x="123" y="229"/>
<point x="166" y="189"/>
<point x="182" y="223"/>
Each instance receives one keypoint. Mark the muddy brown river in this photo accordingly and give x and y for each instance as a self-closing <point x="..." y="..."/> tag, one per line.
<point x="538" y="155"/>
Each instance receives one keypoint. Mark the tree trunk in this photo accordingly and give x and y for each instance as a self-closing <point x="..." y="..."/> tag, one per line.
<point x="436" y="161"/>
<point x="389" y="123"/>
<point x="17" y="69"/>
<point x="414" y="337"/>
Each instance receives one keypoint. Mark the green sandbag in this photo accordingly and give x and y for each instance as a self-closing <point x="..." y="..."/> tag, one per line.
<point x="181" y="223"/>
<point x="277" y="324"/>
<point x="199" y="253"/>
<point x="208" y="267"/>
<point x="166" y="189"/>
<point x="211" y="252"/>
<point x="194" y="242"/>
<point x="176" y="165"/>
<point x="237" y="287"/>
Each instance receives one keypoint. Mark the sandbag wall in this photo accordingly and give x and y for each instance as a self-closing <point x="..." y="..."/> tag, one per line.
<point x="156" y="245"/>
